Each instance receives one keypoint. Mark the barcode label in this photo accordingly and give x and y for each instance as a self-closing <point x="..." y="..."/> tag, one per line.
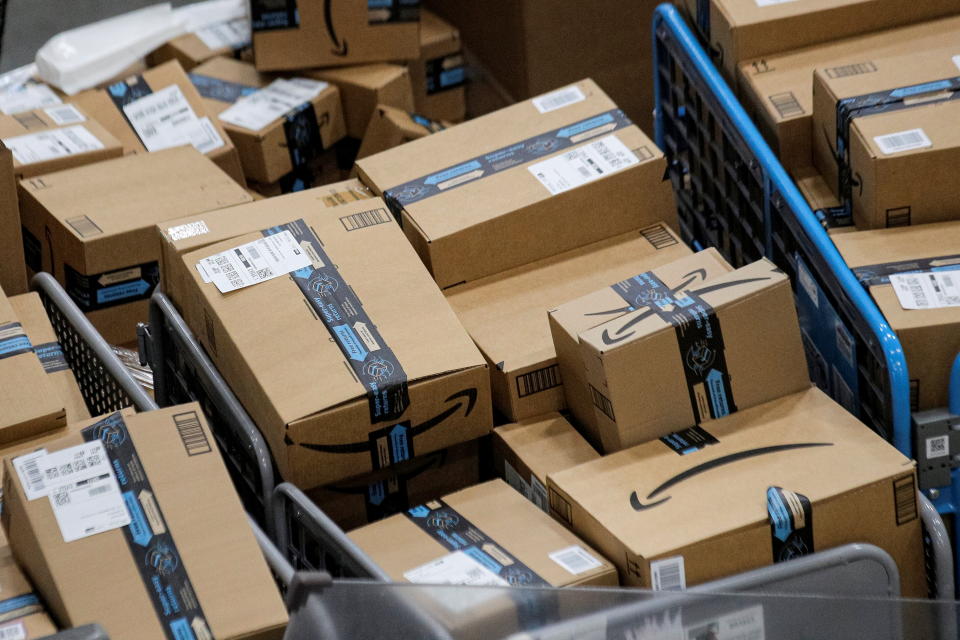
<point x="455" y="568"/>
<point x="659" y="237"/>
<point x="259" y="109"/>
<point x="65" y="114"/>
<point x="668" y="574"/>
<point x="365" y="219"/>
<point x="84" y="226"/>
<point x="558" y="99"/>
<point x="14" y="631"/>
<point x="539" y="380"/>
<point x="188" y="230"/>
<point x="560" y="508"/>
<point x="583" y="165"/>
<point x="786" y="104"/>
<point x="601" y="402"/>
<point x="905" y="499"/>
<point x="575" y="559"/>
<point x="938" y="447"/>
<point x="27" y="97"/>
<point x="902" y="141"/>
<point x="848" y="70"/>
<point x="191" y="432"/>
<point x="254" y="262"/>
<point x="929" y="290"/>
<point x="52" y="143"/>
<point x="165" y="119"/>
<point x="28" y="469"/>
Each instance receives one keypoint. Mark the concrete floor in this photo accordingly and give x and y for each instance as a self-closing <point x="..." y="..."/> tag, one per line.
<point x="30" y="23"/>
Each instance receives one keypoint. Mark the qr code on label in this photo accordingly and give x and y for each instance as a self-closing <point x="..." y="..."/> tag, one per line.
<point x="61" y="497"/>
<point x="938" y="447"/>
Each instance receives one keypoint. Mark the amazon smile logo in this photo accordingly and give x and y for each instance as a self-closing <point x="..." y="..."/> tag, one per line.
<point x="339" y="46"/>
<point x="710" y="465"/>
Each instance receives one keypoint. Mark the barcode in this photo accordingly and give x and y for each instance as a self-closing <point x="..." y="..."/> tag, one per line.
<point x="659" y="237"/>
<point x="539" y="380"/>
<point x="252" y="250"/>
<point x="847" y="70"/>
<point x="13" y="632"/>
<point x="84" y="226"/>
<point x="34" y="477"/>
<point x="191" y="433"/>
<point x="560" y="507"/>
<point x="188" y="230"/>
<point x="96" y="491"/>
<point x="938" y="447"/>
<point x="227" y="269"/>
<point x="558" y="99"/>
<point x="601" y="402"/>
<point x="61" y="497"/>
<point x="575" y="559"/>
<point x="668" y="574"/>
<point x="899" y="217"/>
<point x="902" y="141"/>
<point x="612" y="159"/>
<point x="905" y="499"/>
<point x="584" y="171"/>
<point x="786" y="104"/>
<point x="65" y="114"/>
<point x="365" y="219"/>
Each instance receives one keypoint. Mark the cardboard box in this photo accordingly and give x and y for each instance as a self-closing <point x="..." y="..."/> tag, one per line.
<point x="23" y="614"/>
<point x="667" y="519"/>
<point x="55" y="138"/>
<point x="400" y="377"/>
<point x="899" y="158"/>
<point x="439" y="75"/>
<point x="484" y="93"/>
<point x="312" y="33"/>
<point x="467" y="196"/>
<point x="929" y="337"/>
<point x="678" y="271"/>
<point x="322" y="170"/>
<point x="777" y="90"/>
<point x="728" y="344"/>
<point x="160" y="535"/>
<point x="289" y="140"/>
<point x="390" y="127"/>
<point x="36" y="324"/>
<point x="526" y="452"/>
<point x="94" y="227"/>
<point x="29" y="402"/>
<point x="231" y="38"/>
<point x="506" y="313"/>
<point x="815" y="189"/>
<point x="364" y="87"/>
<point x="13" y="270"/>
<point x="157" y="109"/>
<point x="374" y="496"/>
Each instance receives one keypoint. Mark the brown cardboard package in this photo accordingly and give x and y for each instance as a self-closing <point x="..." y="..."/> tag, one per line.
<point x="364" y="87"/>
<point x="29" y="402"/>
<point x="529" y="181"/>
<point x="94" y="227"/>
<point x="195" y="543"/>
<point x="270" y="152"/>
<point x="439" y="75"/>
<point x="374" y="496"/>
<point x="727" y="344"/>
<point x="231" y="39"/>
<point x="313" y="33"/>
<point x="746" y="29"/>
<point x="526" y="452"/>
<point x="930" y="337"/>
<point x="165" y="110"/>
<point x="900" y="160"/>
<point x="322" y="170"/>
<point x="670" y="520"/>
<point x="678" y="271"/>
<point x="511" y="542"/>
<point x="815" y="189"/>
<point x="390" y="127"/>
<point x="506" y="313"/>
<point x="36" y="324"/>
<point x="13" y="270"/>
<point x="359" y="364"/>
<point x="777" y="90"/>
<point x="23" y="615"/>
<point x="55" y="138"/>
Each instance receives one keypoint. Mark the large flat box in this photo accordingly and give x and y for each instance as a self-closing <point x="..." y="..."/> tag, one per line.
<point x="299" y="117"/>
<point x="777" y="90"/>
<point x="506" y="313"/>
<point x="516" y="185"/>
<point x="157" y="109"/>
<point x="440" y="74"/>
<point x="698" y="506"/>
<point x="147" y="532"/>
<point x="13" y="269"/>
<point x="93" y="227"/>
<point x="359" y="363"/>
<point x="33" y="317"/>
<point x="695" y="355"/>
<point x="899" y="158"/>
<point x="929" y="336"/>
<point x="575" y="315"/>
<point x="390" y="127"/>
<point x="526" y="452"/>
<point x="374" y="496"/>
<point x="364" y="87"/>
<point x="23" y="617"/>
<point x="55" y="138"/>
<point x="29" y="402"/>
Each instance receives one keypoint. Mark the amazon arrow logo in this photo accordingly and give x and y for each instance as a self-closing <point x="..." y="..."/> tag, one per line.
<point x="693" y="276"/>
<point x="339" y="47"/>
<point x="709" y="466"/>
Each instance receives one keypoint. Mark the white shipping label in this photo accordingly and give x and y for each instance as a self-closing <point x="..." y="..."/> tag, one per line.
<point x="28" y="469"/>
<point x="234" y="34"/>
<point x="928" y="290"/>
<point x="575" y="559"/>
<point x="259" y="109"/>
<point x="938" y="447"/>
<point x="558" y="99"/>
<point x="746" y="624"/>
<point x="668" y="574"/>
<point x="455" y="568"/>
<point x="83" y="491"/>
<point x="188" y="230"/>
<point x="15" y="631"/>
<point x="28" y="97"/>
<point x="53" y="143"/>
<point x="65" y="114"/>
<point x="584" y="164"/>
<point x="956" y="61"/>
<point x="903" y="141"/>
<point x="258" y="261"/>
<point x="165" y="119"/>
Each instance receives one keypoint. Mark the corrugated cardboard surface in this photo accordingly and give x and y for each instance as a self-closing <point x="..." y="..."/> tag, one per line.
<point x="635" y="361"/>
<point x="710" y="507"/>
<point x="292" y="377"/>
<point x="191" y="52"/>
<point x="815" y="190"/>
<point x="506" y="314"/>
<point x="438" y="39"/>
<point x="32" y="619"/>
<point x="576" y="315"/>
<point x="389" y="128"/>
<point x="509" y="218"/>
<point x="363" y="87"/>
<point x="123" y="199"/>
<point x="202" y="512"/>
<point x="13" y="271"/>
